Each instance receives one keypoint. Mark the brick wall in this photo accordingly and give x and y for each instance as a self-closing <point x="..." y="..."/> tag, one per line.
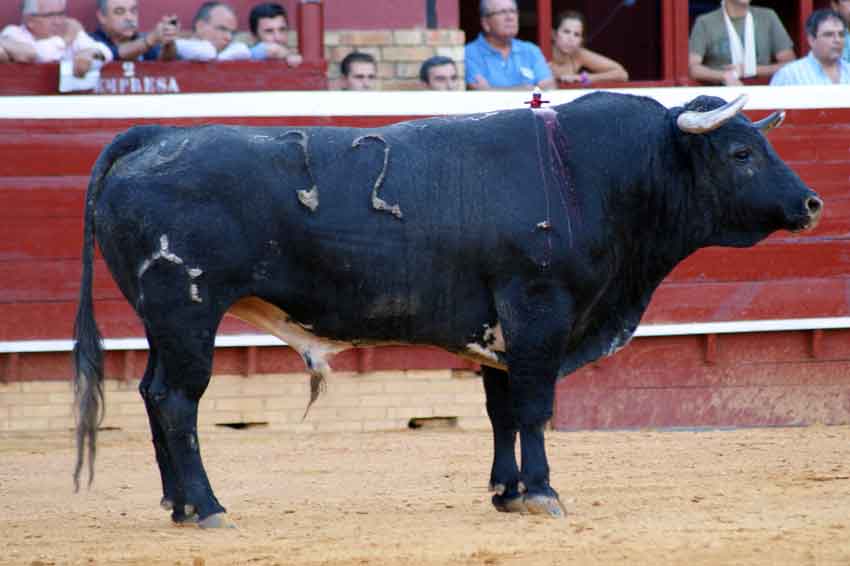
<point x="399" y="52"/>
<point x="381" y="400"/>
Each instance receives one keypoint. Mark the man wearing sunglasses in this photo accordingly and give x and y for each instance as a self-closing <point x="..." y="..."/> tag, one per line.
<point x="47" y="35"/>
<point x="497" y="60"/>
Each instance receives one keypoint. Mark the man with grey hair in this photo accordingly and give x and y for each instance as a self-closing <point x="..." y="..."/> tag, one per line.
<point x="47" y="35"/>
<point x="496" y="59"/>
<point x="214" y="25"/>
<point x="118" y="29"/>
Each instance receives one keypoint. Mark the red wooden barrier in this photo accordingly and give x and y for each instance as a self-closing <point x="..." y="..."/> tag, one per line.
<point x="171" y="78"/>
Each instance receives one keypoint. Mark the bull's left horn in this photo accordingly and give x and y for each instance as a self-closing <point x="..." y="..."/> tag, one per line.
<point x="773" y="121"/>
<point x="702" y="122"/>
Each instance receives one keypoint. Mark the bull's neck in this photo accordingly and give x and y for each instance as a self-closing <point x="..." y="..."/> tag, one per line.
<point x="663" y="225"/>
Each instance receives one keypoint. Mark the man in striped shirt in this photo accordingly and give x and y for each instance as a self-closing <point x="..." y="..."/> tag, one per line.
<point x="825" y="31"/>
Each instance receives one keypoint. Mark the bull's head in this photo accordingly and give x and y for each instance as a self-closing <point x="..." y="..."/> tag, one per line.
<point x="739" y="176"/>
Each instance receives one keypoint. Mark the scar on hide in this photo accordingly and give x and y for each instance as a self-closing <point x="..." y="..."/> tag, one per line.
<point x="162" y="157"/>
<point x="481" y="116"/>
<point x="377" y="202"/>
<point x="307" y="197"/>
<point x="164" y="254"/>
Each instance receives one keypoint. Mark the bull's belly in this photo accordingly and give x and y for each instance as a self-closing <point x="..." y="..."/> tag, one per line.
<point x="316" y="350"/>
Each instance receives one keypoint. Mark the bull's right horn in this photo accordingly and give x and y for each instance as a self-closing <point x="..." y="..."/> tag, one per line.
<point x="693" y="122"/>
<point x="773" y="121"/>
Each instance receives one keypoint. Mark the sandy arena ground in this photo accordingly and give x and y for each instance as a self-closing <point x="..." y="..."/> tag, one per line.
<point x="771" y="496"/>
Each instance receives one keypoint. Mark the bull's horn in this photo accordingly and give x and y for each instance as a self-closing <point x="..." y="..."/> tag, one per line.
<point x="773" y="121"/>
<point x="702" y="122"/>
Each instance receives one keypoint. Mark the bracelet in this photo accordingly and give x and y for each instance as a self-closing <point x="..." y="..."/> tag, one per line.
<point x="583" y="78"/>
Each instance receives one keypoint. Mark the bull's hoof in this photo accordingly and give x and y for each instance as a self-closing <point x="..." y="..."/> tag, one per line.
<point x="509" y="504"/>
<point x="184" y="515"/>
<point x="217" y="521"/>
<point x="544" y="505"/>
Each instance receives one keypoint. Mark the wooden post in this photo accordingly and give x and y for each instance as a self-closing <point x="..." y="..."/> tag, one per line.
<point x="804" y="10"/>
<point x="129" y="365"/>
<point x="544" y="27"/>
<point x="681" y="34"/>
<point x="711" y="349"/>
<point x="817" y="343"/>
<point x="311" y="30"/>
<point x="668" y="68"/>
<point x="249" y="366"/>
<point x="365" y="361"/>
<point x="674" y="41"/>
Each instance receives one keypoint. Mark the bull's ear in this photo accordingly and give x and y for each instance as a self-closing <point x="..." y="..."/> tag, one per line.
<point x="692" y="122"/>
<point x="773" y="121"/>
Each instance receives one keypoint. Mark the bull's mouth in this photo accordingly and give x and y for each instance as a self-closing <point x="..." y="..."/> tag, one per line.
<point x="804" y="224"/>
<point x="809" y="220"/>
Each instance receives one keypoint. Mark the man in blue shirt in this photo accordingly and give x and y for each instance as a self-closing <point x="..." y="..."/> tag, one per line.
<point x="118" y="29"/>
<point x="496" y="59"/>
<point x="843" y="8"/>
<point x="825" y="31"/>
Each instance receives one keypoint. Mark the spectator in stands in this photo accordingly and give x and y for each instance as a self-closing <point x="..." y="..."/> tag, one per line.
<point x="213" y="25"/>
<point x="359" y="71"/>
<point x="825" y="31"/>
<point x="118" y="29"/>
<point x="47" y="35"/>
<point x="439" y="73"/>
<point x="738" y="41"/>
<point x="496" y="59"/>
<point x="269" y="23"/>
<point x="843" y="8"/>
<point x="572" y="63"/>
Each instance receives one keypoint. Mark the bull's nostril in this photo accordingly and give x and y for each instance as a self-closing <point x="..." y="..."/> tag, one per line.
<point x="814" y="205"/>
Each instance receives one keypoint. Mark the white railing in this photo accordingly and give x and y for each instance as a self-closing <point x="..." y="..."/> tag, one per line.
<point x="400" y="103"/>
<point x="643" y="331"/>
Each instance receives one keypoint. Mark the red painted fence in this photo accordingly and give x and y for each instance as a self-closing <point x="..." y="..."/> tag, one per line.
<point x="791" y="377"/>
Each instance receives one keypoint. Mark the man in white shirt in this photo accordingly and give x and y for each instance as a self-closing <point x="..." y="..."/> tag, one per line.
<point x="47" y="35"/>
<point x="214" y="25"/>
<point x="825" y="31"/>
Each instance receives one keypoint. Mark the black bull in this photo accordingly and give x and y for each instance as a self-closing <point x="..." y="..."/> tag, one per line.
<point x="529" y="240"/>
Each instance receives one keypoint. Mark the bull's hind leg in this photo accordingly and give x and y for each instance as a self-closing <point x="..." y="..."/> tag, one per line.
<point x="174" y="394"/>
<point x="173" y="497"/>
<point x="182" y="334"/>
<point x="504" y="475"/>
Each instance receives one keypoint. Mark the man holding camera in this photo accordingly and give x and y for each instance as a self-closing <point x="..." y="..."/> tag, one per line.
<point x="119" y="30"/>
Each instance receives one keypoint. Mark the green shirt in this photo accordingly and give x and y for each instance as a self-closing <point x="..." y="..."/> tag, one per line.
<point x="709" y="39"/>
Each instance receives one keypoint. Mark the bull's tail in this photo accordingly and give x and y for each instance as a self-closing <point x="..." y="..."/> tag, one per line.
<point x="88" y="346"/>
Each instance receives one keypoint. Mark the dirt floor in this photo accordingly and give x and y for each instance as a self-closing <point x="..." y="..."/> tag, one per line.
<point x="770" y="496"/>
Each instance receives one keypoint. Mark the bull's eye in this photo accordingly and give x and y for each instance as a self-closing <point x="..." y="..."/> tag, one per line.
<point x="742" y="155"/>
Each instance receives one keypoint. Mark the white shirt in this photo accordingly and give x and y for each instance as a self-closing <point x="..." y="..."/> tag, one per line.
<point x="808" y="71"/>
<point x="203" y="50"/>
<point x="53" y="48"/>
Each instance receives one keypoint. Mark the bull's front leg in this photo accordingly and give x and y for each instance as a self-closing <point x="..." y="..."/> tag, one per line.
<point x="535" y="317"/>
<point x="504" y="475"/>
